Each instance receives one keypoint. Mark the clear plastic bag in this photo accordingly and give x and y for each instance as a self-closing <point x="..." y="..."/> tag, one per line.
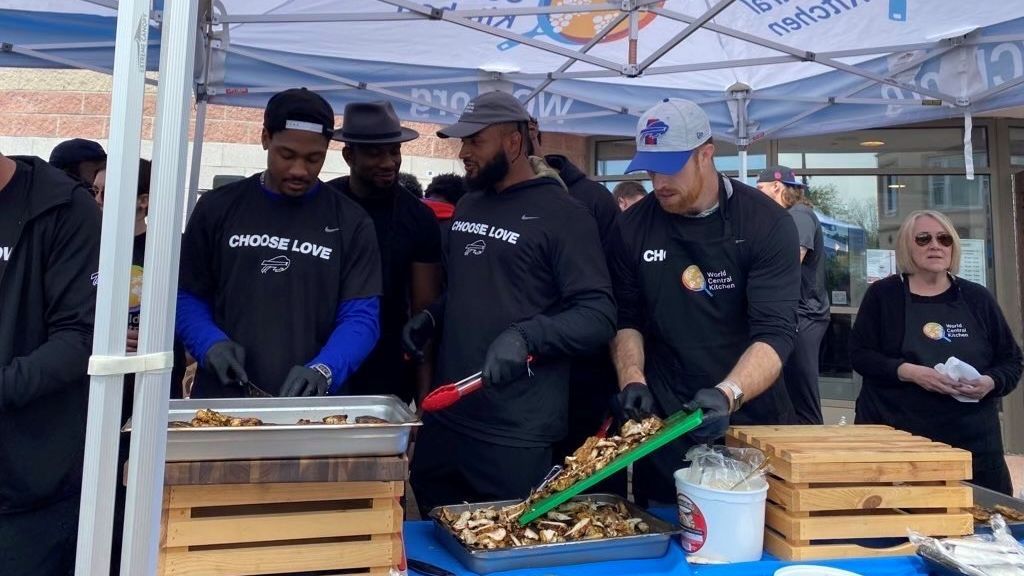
<point x="996" y="554"/>
<point x="725" y="468"/>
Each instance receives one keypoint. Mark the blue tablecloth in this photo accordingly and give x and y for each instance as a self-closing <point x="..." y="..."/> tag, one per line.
<point x="421" y="545"/>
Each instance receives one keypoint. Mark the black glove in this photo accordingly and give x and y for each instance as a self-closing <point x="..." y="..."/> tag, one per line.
<point x="226" y="359"/>
<point x="506" y="358"/>
<point x="416" y="333"/>
<point x="303" y="381"/>
<point x="637" y="401"/>
<point x="715" y="405"/>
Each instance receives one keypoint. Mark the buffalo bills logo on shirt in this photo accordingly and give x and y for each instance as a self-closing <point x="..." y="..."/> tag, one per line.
<point x="655" y="129"/>
<point x="475" y="248"/>
<point x="275" y="264"/>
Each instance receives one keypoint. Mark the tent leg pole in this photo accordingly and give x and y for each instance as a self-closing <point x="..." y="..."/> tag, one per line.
<point x="99" y="473"/>
<point x="159" y="289"/>
<point x="197" y="156"/>
<point x="743" y="166"/>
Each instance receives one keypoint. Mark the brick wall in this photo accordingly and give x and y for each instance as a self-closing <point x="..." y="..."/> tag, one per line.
<point x="40" y="108"/>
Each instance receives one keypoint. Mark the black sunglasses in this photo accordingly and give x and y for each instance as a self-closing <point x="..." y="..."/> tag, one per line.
<point x="925" y="238"/>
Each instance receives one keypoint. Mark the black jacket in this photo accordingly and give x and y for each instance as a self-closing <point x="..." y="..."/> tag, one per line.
<point x="527" y="257"/>
<point x="594" y="197"/>
<point x="877" y="338"/>
<point x="47" y="295"/>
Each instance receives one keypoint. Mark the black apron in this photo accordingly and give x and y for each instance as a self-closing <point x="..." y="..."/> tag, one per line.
<point x="932" y="332"/>
<point x="697" y="331"/>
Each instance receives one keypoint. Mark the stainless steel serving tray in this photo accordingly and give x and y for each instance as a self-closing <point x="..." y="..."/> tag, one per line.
<point x="651" y="545"/>
<point x="286" y="439"/>
<point x="989" y="499"/>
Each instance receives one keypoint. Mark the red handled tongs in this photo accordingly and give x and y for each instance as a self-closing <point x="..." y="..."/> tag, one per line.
<point x="449" y="394"/>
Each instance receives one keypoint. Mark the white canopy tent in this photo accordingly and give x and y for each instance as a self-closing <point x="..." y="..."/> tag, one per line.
<point x="759" y="68"/>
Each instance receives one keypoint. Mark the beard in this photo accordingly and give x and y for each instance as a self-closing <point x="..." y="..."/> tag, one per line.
<point x="490" y="174"/>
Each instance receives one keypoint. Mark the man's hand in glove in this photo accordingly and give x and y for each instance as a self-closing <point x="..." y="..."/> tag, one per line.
<point x="303" y="381"/>
<point x="637" y="401"/>
<point x="506" y="358"/>
<point x="416" y="333"/>
<point x="226" y="359"/>
<point x="716" y="407"/>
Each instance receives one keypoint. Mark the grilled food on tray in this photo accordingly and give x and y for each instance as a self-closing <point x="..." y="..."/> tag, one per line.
<point x="206" y="418"/>
<point x="982" y="514"/>
<point x="489" y="528"/>
<point x="209" y="418"/>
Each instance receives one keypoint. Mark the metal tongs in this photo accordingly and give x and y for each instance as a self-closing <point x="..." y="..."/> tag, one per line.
<point x="254" y="391"/>
<point x="449" y="394"/>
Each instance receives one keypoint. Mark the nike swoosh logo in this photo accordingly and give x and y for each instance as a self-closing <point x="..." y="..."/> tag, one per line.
<point x="328" y="229"/>
<point x="525" y="217"/>
<point x="741" y="240"/>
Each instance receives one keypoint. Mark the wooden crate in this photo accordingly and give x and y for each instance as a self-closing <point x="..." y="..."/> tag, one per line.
<point x="833" y="488"/>
<point x="321" y="522"/>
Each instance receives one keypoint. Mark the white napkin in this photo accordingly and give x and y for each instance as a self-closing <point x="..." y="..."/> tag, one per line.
<point x="958" y="370"/>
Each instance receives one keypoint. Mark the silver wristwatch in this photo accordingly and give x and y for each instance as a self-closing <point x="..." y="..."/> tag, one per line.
<point x="325" y="371"/>
<point x="735" y="391"/>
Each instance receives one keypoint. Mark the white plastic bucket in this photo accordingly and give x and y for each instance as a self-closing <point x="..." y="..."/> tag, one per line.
<point x="721" y="525"/>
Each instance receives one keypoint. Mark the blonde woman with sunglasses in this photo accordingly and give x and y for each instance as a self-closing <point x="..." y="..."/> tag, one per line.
<point x="910" y="322"/>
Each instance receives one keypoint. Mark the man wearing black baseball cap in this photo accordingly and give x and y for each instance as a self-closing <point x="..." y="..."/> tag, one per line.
<point x="525" y="276"/>
<point x="280" y="274"/>
<point x="408" y="238"/>
<point x="80" y="158"/>
<point x="800" y="371"/>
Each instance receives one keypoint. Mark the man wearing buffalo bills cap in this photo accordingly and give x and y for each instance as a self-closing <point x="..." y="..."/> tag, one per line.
<point x="525" y="276"/>
<point x="280" y="274"/>
<point x="801" y="369"/>
<point x="707" y="283"/>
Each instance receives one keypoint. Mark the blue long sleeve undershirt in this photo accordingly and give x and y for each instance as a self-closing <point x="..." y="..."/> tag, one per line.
<point x="356" y="330"/>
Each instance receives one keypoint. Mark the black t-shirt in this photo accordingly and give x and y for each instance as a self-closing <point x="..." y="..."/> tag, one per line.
<point x="275" y="270"/>
<point x="765" y="240"/>
<point x="529" y="256"/>
<point x="12" y="204"/>
<point x="814" y="301"/>
<point x="407" y="233"/>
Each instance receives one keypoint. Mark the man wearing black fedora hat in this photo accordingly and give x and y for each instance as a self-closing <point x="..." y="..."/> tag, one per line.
<point x="525" y="277"/>
<point x="408" y="238"/>
<point x="280" y="275"/>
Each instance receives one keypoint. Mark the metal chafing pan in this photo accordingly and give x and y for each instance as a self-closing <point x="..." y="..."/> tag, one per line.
<point x="282" y="437"/>
<point x="651" y="545"/>
<point x="988" y="499"/>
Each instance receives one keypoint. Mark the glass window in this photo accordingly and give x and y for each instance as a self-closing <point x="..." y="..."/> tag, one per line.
<point x="888" y="148"/>
<point x="1017" y="146"/>
<point x="860" y="216"/>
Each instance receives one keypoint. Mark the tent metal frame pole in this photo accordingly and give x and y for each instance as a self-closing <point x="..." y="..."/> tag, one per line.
<point x="34" y="53"/>
<point x="518" y="38"/>
<point x="159" y="287"/>
<point x="859" y="88"/>
<point x="354" y="83"/>
<point x="95" y="522"/>
<point x="195" y="165"/>
<point x="679" y="38"/>
<point x="807" y="56"/>
<point x="583" y="50"/>
<point x="413" y="15"/>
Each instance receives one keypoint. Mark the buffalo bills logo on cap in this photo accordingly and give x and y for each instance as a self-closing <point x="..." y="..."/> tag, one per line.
<point x="655" y="128"/>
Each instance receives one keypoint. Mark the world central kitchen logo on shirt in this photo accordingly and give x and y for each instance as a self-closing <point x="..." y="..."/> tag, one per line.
<point x="696" y="280"/>
<point x="936" y="331"/>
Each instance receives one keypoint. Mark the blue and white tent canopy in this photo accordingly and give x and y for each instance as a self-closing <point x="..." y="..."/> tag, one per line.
<point x="796" y="67"/>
